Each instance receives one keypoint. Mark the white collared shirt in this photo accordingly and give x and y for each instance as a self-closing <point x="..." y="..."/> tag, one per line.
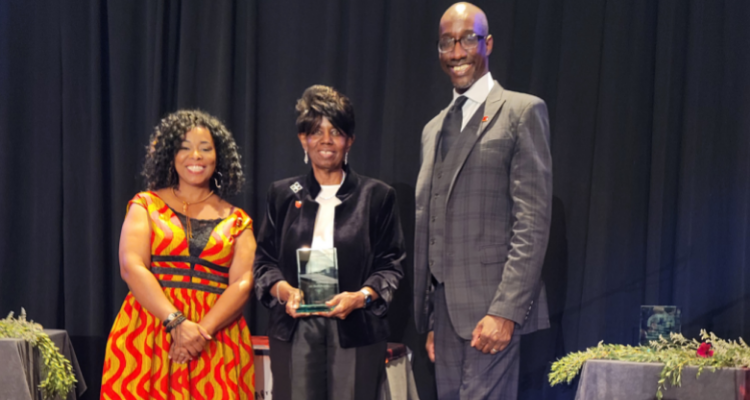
<point x="476" y="95"/>
<point x="323" y="230"/>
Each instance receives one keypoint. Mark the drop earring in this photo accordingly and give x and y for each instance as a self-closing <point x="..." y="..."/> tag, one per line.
<point x="306" y="159"/>
<point x="216" y="181"/>
<point x="346" y="158"/>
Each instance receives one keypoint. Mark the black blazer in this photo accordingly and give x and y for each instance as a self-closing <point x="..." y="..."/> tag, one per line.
<point x="369" y="242"/>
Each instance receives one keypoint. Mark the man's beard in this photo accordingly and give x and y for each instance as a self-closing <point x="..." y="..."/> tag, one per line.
<point x="467" y="85"/>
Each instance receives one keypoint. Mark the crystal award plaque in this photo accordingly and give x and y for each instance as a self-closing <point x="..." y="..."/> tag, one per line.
<point x="658" y="321"/>
<point x="318" y="278"/>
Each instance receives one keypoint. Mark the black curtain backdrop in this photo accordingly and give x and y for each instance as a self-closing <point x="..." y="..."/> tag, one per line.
<point x="649" y="105"/>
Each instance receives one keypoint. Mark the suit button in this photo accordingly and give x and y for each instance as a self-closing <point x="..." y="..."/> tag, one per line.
<point x="532" y="301"/>
<point x="432" y="263"/>
<point x="437" y="194"/>
<point x="440" y="175"/>
<point x="432" y="241"/>
<point x="433" y="218"/>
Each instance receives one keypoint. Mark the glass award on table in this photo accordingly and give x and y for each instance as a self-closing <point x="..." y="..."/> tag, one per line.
<point x="318" y="275"/>
<point x="658" y="321"/>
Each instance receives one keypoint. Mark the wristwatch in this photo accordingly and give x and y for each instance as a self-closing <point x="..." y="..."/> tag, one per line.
<point x="368" y="297"/>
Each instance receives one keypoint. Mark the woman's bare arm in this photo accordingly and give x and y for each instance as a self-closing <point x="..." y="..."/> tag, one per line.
<point x="135" y="257"/>
<point x="229" y="306"/>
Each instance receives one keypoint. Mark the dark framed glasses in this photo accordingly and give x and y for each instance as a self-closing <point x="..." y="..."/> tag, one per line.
<point x="468" y="42"/>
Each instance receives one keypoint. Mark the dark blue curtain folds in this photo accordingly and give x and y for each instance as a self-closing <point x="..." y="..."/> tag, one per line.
<point x="649" y="107"/>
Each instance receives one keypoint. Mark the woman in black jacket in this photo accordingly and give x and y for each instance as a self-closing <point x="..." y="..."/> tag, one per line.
<point x="341" y="353"/>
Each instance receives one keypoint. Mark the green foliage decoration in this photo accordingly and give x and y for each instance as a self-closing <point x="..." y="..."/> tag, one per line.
<point x="675" y="353"/>
<point x="57" y="370"/>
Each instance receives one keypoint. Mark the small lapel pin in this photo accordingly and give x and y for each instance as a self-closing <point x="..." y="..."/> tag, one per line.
<point x="296" y="187"/>
<point x="484" y="119"/>
<point x="298" y="204"/>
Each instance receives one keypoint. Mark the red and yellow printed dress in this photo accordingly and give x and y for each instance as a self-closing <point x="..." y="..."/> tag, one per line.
<point x="136" y="364"/>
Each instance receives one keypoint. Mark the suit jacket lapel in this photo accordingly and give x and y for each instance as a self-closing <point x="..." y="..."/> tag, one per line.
<point x="492" y="107"/>
<point x="428" y="158"/>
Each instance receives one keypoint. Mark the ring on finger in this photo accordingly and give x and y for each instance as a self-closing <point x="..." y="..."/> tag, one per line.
<point x="493" y="351"/>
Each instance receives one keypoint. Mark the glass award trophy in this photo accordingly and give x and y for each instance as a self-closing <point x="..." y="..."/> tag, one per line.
<point x="318" y="275"/>
<point x="658" y="321"/>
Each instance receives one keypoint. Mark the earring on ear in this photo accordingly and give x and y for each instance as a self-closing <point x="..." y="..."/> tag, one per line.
<point x="306" y="159"/>
<point x="216" y="181"/>
<point x="346" y="158"/>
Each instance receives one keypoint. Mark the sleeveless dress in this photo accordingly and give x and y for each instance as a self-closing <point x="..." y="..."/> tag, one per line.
<point x="193" y="275"/>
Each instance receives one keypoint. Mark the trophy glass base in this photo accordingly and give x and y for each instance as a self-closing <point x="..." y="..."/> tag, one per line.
<point x="313" y="308"/>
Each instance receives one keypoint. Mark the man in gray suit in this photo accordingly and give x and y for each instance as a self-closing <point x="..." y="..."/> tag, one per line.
<point x="483" y="198"/>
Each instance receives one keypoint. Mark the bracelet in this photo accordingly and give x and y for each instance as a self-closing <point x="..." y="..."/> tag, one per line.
<point x="174" y="323"/>
<point x="171" y="318"/>
<point x="278" y="297"/>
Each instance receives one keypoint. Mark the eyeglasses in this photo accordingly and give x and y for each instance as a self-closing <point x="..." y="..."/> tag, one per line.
<point x="468" y="42"/>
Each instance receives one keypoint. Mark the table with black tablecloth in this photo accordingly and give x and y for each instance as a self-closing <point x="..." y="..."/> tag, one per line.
<point x="620" y="380"/>
<point x="20" y="367"/>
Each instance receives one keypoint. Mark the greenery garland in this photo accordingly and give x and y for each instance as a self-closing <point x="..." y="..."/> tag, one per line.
<point x="676" y="353"/>
<point x="57" y="370"/>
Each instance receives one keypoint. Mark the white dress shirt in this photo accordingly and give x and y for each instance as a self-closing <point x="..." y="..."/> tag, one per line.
<point x="327" y="200"/>
<point x="476" y="95"/>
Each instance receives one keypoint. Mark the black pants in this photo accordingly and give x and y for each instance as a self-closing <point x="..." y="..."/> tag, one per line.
<point x="314" y="365"/>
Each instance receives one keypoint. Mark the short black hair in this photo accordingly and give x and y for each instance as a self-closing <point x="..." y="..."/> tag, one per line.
<point x="166" y="140"/>
<point x="320" y="101"/>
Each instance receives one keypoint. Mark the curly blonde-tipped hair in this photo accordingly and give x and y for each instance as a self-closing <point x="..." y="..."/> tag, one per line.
<point x="166" y="140"/>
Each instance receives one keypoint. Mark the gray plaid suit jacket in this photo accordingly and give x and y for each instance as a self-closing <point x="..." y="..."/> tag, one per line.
<point x="498" y="216"/>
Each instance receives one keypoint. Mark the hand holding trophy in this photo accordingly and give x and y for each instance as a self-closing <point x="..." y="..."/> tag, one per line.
<point x="296" y="297"/>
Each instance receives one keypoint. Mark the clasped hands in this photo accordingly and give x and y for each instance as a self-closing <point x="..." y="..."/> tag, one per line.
<point x="188" y="340"/>
<point x="491" y="335"/>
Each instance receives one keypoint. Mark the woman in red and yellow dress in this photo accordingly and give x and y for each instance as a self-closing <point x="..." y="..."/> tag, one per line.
<point x="186" y="255"/>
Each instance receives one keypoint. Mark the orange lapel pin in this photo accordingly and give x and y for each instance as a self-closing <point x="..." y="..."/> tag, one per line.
<point x="484" y="119"/>
<point x="298" y="204"/>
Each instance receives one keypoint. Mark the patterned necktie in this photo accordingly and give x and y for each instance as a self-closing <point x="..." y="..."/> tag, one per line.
<point x="452" y="126"/>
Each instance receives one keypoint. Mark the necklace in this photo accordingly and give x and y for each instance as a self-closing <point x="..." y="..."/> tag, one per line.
<point x="185" y="204"/>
